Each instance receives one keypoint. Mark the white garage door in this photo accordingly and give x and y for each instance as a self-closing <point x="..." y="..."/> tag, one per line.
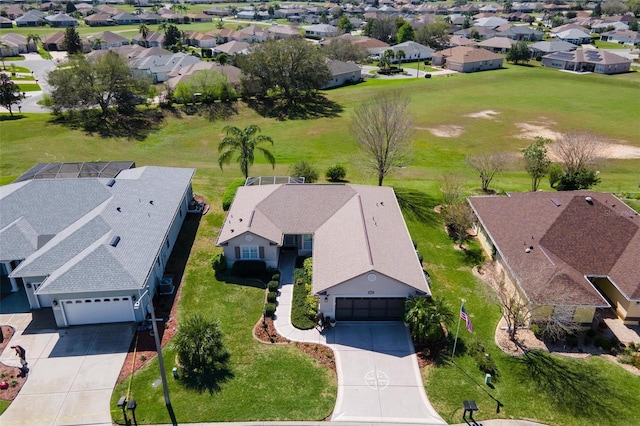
<point x="98" y="310"/>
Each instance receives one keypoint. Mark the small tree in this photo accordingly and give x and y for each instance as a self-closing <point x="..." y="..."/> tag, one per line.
<point x="35" y="38"/>
<point x="381" y="126"/>
<point x="400" y="56"/>
<point x="304" y="169"/>
<point x="452" y="186"/>
<point x="200" y="347"/>
<point x="458" y="218"/>
<point x="515" y="311"/>
<point x="519" y="52"/>
<point x="336" y="173"/>
<point x="143" y="30"/>
<point x="345" y="24"/>
<point x="9" y="93"/>
<point x="72" y="42"/>
<point x="576" y="152"/>
<point x="536" y="161"/>
<point x="487" y="165"/>
<point x="405" y="33"/>
<point x="428" y="319"/>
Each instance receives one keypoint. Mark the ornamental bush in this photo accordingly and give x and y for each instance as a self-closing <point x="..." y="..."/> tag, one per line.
<point x="336" y="173"/>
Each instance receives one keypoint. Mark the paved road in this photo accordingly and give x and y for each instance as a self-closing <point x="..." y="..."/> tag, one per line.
<point x="72" y="371"/>
<point x="40" y="68"/>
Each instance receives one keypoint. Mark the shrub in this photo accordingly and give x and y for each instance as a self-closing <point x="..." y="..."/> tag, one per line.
<point x="591" y="333"/>
<point x="143" y="358"/>
<point x="276" y="277"/>
<point x="304" y="169"/>
<point x="420" y="257"/>
<point x="219" y="263"/>
<point x="269" y="309"/>
<point x="230" y="193"/>
<point x="271" y="297"/>
<point x="199" y="347"/>
<point x="485" y="363"/>
<point x="603" y="342"/>
<point x="273" y="285"/>
<point x="250" y="268"/>
<point x="336" y="173"/>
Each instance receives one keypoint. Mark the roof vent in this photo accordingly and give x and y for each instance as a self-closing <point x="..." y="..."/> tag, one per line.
<point x="151" y="202"/>
<point x="114" y="241"/>
<point x="119" y="209"/>
<point x="111" y="182"/>
<point x="589" y="200"/>
<point x="527" y="250"/>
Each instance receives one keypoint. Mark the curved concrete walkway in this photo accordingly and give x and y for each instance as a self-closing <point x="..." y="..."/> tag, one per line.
<point x="378" y="376"/>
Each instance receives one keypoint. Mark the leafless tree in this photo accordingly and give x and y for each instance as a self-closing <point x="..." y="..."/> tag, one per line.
<point x="382" y="127"/>
<point x="452" y="188"/>
<point x="487" y="165"/>
<point x="515" y="310"/>
<point x="577" y="150"/>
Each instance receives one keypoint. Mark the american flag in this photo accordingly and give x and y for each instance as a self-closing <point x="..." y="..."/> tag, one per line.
<point x="467" y="321"/>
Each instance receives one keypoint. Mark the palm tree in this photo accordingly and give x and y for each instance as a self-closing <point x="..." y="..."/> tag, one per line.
<point x="400" y="55"/>
<point x="97" y="43"/>
<point x="35" y="38"/>
<point x="244" y="142"/>
<point x="3" y="46"/>
<point x="428" y="318"/>
<point x="144" y="32"/>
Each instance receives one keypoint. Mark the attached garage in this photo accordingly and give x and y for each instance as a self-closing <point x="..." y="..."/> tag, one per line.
<point x="98" y="310"/>
<point x="370" y="308"/>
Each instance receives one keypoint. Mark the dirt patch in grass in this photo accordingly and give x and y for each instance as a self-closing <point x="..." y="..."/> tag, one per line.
<point x="446" y="131"/>
<point x="487" y="114"/>
<point x="9" y="374"/>
<point x="265" y="332"/>
<point x="610" y="149"/>
<point x="321" y="353"/>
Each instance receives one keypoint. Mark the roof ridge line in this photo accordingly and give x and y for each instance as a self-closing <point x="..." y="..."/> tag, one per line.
<point x="364" y="225"/>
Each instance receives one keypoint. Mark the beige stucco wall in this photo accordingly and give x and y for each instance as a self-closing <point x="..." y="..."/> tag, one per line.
<point x="360" y="286"/>
<point x="270" y="252"/>
<point x="624" y="308"/>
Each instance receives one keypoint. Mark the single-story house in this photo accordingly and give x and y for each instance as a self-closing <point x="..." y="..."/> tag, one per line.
<point x="233" y="74"/>
<point x="125" y="18"/>
<point x="232" y="48"/>
<point x="588" y="60"/>
<point x="622" y="36"/>
<point x="154" y="39"/>
<point x="491" y="22"/>
<point x="53" y="42"/>
<point x="5" y="22"/>
<point x="467" y="59"/>
<point x="574" y="36"/>
<point x="33" y="18"/>
<point x="95" y="249"/>
<point x="342" y="73"/>
<point x="108" y="40"/>
<point x="283" y="31"/>
<point x="159" y="66"/>
<point x="413" y="51"/>
<point x="497" y="44"/>
<point x="198" y="39"/>
<point x="364" y="262"/>
<point x="482" y="33"/>
<point x="546" y="47"/>
<point x="576" y="249"/>
<point x="61" y="20"/>
<point x="604" y="26"/>
<point x="98" y="20"/>
<point x="519" y="32"/>
<point x="321" y="30"/>
<point x="16" y="43"/>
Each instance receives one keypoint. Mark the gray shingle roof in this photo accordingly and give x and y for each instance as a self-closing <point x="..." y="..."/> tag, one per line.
<point x="356" y="229"/>
<point x="83" y="215"/>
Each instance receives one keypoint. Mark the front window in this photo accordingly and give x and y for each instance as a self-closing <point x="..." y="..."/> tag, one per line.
<point x="307" y="242"/>
<point x="249" y="252"/>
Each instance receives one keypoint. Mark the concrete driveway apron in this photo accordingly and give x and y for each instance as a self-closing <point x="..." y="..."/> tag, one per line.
<point x="72" y="372"/>
<point x="378" y="376"/>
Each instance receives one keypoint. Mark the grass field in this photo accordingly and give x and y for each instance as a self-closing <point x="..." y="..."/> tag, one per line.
<point x="265" y="378"/>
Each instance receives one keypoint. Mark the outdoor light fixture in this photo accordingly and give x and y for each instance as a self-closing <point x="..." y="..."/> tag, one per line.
<point x="55" y="303"/>
<point x="28" y="285"/>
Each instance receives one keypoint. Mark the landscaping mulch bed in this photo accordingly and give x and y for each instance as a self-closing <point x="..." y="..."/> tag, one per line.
<point x="9" y="374"/>
<point x="268" y="334"/>
<point x="143" y="346"/>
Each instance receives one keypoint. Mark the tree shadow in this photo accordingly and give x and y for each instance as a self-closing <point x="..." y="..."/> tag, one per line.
<point x="472" y="256"/>
<point x="13" y="117"/>
<point x="136" y="125"/>
<point x="571" y="385"/>
<point x="312" y="106"/>
<point x="212" y="112"/>
<point x="416" y="205"/>
<point x="209" y="380"/>
<point x="229" y="278"/>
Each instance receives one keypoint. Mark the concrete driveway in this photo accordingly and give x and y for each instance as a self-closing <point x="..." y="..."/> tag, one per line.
<point x="378" y="376"/>
<point x="72" y="371"/>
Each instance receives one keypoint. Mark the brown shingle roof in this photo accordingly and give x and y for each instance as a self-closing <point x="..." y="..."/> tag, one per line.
<point x="571" y="239"/>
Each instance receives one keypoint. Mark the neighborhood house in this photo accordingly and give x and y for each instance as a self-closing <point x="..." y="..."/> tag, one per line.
<point x="364" y="262"/>
<point x="576" y="250"/>
<point x="91" y="248"/>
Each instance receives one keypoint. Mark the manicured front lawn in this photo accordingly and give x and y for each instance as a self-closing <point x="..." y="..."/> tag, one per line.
<point x="266" y="381"/>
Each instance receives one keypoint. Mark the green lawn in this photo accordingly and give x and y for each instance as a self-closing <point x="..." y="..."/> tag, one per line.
<point x="265" y="383"/>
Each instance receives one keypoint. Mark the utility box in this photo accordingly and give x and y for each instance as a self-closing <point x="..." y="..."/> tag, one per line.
<point x="487" y="379"/>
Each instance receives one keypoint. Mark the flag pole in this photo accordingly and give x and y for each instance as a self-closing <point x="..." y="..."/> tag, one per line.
<point x="455" y="342"/>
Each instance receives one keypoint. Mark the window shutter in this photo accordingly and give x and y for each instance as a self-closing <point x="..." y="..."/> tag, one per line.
<point x="261" y="252"/>
<point x="237" y="252"/>
<point x="299" y="238"/>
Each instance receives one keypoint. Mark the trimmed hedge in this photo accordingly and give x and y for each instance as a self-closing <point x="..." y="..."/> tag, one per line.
<point x="269" y="309"/>
<point x="273" y="285"/>
<point x="271" y="297"/>
<point x="336" y="173"/>
<point x="219" y="263"/>
<point x="230" y="193"/>
<point x="250" y="268"/>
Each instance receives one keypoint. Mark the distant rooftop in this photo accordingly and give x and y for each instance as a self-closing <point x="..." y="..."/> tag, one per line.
<point x="101" y="169"/>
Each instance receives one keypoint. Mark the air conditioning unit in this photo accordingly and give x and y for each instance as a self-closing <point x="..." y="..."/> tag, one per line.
<point x="166" y="285"/>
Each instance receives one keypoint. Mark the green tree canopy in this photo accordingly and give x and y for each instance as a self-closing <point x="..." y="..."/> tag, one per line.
<point x="104" y="82"/>
<point x="382" y="28"/>
<point x="405" y="33"/>
<point x="344" y="50"/>
<point x="72" y="43"/>
<point x="289" y="69"/>
<point x="536" y="161"/>
<point x="345" y="24"/>
<point x="243" y="143"/>
<point x="434" y="35"/>
<point x="9" y="93"/>
<point x="172" y="36"/>
<point x="519" y="52"/>
<point x="428" y="319"/>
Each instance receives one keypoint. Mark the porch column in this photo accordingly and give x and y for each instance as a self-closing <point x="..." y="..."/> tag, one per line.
<point x="14" y="284"/>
